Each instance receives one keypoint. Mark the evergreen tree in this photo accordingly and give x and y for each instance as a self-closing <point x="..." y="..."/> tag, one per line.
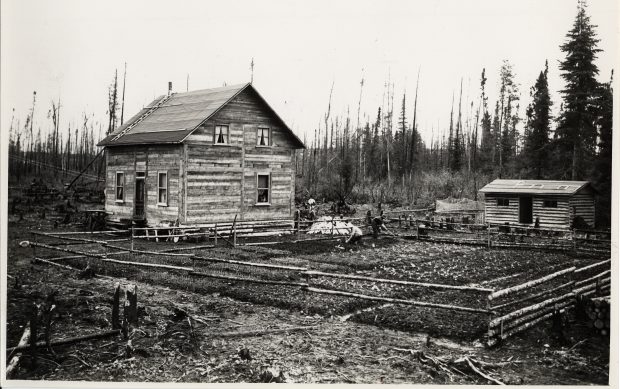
<point x="537" y="128"/>
<point x="602" y="168"/>
<point x="576" y="132"/>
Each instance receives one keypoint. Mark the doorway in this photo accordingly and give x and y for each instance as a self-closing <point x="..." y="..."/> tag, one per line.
<point x="525" y="210"/>
<point x="138" y="208"/>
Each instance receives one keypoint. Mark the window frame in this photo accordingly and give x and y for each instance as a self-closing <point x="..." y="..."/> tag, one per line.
<point x="268" y="202"/>
<point x="501" y="200"/>
<point x="550" y="203"/>
<point x="159" y="188"/>
<point x="215" y="135"/>
<point x="258" y="130"/>
<point x="116" y="186"/>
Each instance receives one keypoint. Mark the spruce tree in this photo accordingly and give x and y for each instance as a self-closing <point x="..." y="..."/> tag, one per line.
<point x="576" y="132"/>
<point x="536" y="149"/>
<point x="602" y="168"/>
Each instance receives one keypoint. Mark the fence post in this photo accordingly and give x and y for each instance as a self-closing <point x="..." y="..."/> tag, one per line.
<point x="332" y="226"/>
<point x="398" y="221"/>
<point x="235" y="235"/>
<point x="417" y="230"/>
<point x="132" y="232"/>
<point x="489" y="235"/>
<point x="298" y="229"/>
<point x="215" y="234"/>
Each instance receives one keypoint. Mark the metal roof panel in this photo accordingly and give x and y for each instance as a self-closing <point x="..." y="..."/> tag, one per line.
<point x="542" y="187"/>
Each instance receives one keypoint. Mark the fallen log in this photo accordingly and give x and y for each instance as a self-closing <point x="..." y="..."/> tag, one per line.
<point x="398" y="301"/>
<point x="66" y="341"/>
<point x="264" y="332"/>
<point x="517" y="288"/>
<point x="14" y="360"/>
<point x="397" y="282"/>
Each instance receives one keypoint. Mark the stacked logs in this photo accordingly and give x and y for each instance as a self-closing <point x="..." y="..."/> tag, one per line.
<point x="597" y="312"/>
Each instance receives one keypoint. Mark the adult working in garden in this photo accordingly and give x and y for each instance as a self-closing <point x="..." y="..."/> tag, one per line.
<point x="378" y="225"/>
<point x="356" y="235"/>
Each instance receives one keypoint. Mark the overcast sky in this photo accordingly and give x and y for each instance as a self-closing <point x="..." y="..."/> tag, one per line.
<point x="70" y="49"/>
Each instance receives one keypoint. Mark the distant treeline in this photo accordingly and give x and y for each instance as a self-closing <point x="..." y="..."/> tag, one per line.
<point x="386" y="160"/>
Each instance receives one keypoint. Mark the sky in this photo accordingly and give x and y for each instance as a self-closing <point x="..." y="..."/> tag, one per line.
<point x="70" y="49"/>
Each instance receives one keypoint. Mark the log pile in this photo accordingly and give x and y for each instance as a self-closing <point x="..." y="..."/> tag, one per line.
<point x="597" y="313"/>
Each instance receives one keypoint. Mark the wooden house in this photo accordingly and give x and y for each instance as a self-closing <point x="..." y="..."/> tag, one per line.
<point x="554" y="203"/>
<point x="202" y="156"/>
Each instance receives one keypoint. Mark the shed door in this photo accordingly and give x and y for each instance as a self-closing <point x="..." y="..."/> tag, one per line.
<point x="525" y="209"/>
<point x="138" y="210"/>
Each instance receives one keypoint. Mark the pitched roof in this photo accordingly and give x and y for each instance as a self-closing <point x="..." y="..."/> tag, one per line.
<point x="542" y="187"/>
<point x="170" y="119"/>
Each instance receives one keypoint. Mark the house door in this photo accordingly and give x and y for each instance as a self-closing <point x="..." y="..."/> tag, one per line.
<point x="525" y="210"/>
<point x="138" y="209"/>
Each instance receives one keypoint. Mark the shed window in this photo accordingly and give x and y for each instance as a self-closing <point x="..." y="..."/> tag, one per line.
<point x="262" y="188"/>
<point x="162" y="188"/>
<point x="120" y="186"/>
<point x="550" y="203"/>
<point x="503" y="202"/>
<point x="221" y="135"/>
<point x="262" y="137"/>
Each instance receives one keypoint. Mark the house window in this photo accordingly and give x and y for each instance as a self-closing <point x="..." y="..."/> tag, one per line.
<point x="550" y="203"/>
<point x="262" y="137"/>
<point x="503" y="202"/>
<point x="120" y="187"/>
<point x="162" y="188"/>
<point x="262" y="188"/>
<point x="221" y="135"/>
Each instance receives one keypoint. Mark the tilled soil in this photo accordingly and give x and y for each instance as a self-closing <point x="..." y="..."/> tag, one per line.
<point x="366" y="348"/>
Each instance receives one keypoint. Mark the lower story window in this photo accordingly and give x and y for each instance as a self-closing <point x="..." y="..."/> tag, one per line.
<point x="262" y="186"/>
<point x="162" y="188"/>
<point x="550" y="203"/>
<point x="503" y="202"/>
<point x="120" y="186"/>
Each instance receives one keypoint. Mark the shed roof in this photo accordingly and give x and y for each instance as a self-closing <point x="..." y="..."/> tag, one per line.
<point x="170" y="119"/>
<point x="541" y="187"/>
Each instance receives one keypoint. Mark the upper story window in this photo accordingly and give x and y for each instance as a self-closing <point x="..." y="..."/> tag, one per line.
<point x="503" y="202"/>
<point x="162" y="188"/>
<point x="120" y="186"/>
<point x="221" y="135"/>
<point x="262" y="137"/>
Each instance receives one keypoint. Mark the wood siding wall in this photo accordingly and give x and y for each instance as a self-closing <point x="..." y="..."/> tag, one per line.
<point x="151" y="160"/>
<point x="221" y="179"/>
<point x="583" y="201"/>
<point x="557" y="218"/>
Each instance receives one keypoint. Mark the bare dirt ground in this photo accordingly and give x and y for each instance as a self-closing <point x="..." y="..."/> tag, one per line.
<point x="381" y="345"/>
